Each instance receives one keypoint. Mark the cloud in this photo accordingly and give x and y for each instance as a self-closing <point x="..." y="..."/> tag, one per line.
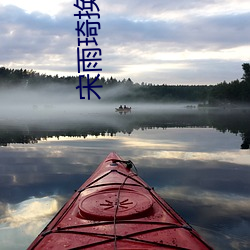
<point x="33" y="39"/>
<point x="187" y="35"/>
<point x="200" y="32"/>
<point x="26" y="220"/>
<point x="147" y="9"/>
<point x="29" y="210"/>
<point x="171" y="10"/>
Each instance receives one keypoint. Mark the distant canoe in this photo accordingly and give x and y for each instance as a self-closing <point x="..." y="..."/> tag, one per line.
<point x="125" y="110"/>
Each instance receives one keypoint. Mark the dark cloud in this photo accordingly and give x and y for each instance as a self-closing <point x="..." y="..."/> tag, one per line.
<point x="200" y="32"/>
<point x="224" y="31"/>
<point x="148" y="8"/>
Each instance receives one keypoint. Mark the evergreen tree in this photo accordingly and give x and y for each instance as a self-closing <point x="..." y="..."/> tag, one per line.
<point x="246" y="69"/>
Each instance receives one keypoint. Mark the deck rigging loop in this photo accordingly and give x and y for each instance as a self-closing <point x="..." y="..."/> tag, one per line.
<point x="128" y="164"/>
<point x="130" y="174"/>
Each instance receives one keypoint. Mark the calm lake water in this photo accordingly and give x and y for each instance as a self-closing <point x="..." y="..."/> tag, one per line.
<point x="197" y="160"/>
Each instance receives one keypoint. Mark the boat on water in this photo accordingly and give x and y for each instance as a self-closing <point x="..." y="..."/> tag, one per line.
<point x="116" y="209"/>
<point x="123" y="109"/>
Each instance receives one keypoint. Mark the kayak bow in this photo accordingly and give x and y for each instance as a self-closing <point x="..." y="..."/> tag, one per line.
<point x="116" y="209"/>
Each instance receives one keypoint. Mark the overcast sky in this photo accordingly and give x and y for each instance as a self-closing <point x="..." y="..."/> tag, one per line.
<point x="153" y="41"/>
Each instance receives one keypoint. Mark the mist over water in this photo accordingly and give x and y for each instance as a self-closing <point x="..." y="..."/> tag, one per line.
<point x="40" y="103"/>
<point x="61" y="102"/>
<point x="56" y="108"/>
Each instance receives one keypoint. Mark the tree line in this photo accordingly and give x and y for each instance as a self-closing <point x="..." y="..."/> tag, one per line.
<point x="236" y="91"/>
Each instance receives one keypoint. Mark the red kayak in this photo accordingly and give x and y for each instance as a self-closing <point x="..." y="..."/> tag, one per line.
<point x="116" y="209"/>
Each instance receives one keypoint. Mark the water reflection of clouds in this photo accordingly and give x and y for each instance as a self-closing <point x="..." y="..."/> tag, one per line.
<point x="186" y="139"/>
<point x="232" y="204"/>
<point x="199" y="168"/>
<point x="21" y="223"/>
<point x="33" y="209"/>
<point x="234" y="156"/>
<point x="226" y="216"/>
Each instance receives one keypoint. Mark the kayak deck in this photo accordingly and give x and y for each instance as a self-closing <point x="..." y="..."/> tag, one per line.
<point x="116" y="209"/>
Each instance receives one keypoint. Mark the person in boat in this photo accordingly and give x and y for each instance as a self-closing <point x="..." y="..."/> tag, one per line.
<point x="120" y="107"/>
<point x="125" y="107"/>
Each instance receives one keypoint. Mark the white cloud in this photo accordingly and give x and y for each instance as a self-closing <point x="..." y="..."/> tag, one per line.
<point x="45" y="6"/>
<point x="28" y="212"/>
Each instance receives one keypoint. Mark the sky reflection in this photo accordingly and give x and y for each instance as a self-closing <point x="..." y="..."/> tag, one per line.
<point x="199" y="171"/>
<point x="23" y="220"/>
